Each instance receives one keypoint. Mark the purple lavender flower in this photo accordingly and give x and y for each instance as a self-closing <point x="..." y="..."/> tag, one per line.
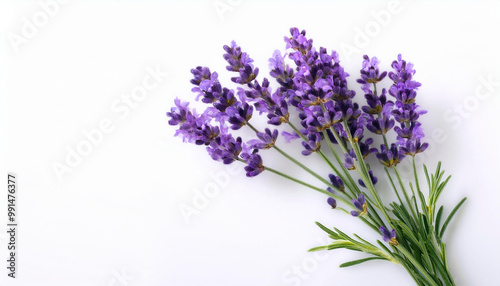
<point x="206" y="134"/>
<point x="389" y="236"/>
<point x="380" y="106"/>
<point x="225" y="148"/>
<point x="402" y="94"/>
<point x="332" y="202"/>
<point x="340" y="131"/>
<point x="370" y="72"/>
<point x="361" y="205"/>
<point x="315" y="96"/>
<point x="278" y="113"/>
<point x="406" y="112"/>
<point x="390" y="157"/>
<point x="349" y="160"/>
<point x="281" y="71"/>
<point x="191" y="124"/>
<point x="403" y="73"/>
<point x="254" y="164"/>
<point x="365" y="149"/>
<point x="376" y="103"/>
<point x="200" y="74"/>
<point x="380" y="125"/>
<point x="239" y="115"/>
<point x="289" y="136"/>
<point x="178" y="113"/>
<point x="372" y="178"/>
<point x="322" y="119"/>
<point x="266" y="139"/>
<point x="225" y="100"/>
<point x="312" y="145"/>
<point x="259" y="91"/>
<point x="413" y="147"/>
<point x="241" y="63"/>
<point x="314" y="119"/>
<point x="349" y="109"/>
<point x="299" y="43"/>
<point x="235" y="58"/>
<point x="208" y="88"/>
<point x="337" y="182"/>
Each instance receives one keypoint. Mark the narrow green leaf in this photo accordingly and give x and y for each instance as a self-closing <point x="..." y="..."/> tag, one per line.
<point x="425" y="254"/>
<point x="326" y="229"/>
<point x="344" y="244"/>
<point x="427" y="177"/>
<point x="356" y="262"/>
<point x="443" y="255"/>
<point x="383" y="246"/>
<point x="425" y="209"/>
<point x="345" y="236"/>
<point x="406" y="230"/>
<point x="438" y="168"/>
<point x="445" y="225"/>
<point x="393" y="185"/>
<point x="419" y="266"/>
<point x="440" y="267"/>
<point x="364" y="241"/>
<point x="413" y="199"/>
<point x="426" y="229"/>
<point x="318" y="248"/>
<point x="440" y="188"/>
<point x="438" y="219"/>
<point x="405" y="216"/>
<point x="405" y="193"/>
<point x="338" y="244"/>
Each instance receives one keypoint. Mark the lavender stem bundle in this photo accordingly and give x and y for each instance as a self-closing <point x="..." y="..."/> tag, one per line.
<point x="314" y="104"/>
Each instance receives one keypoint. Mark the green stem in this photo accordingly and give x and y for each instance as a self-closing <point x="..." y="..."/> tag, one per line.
<point x="286" y="176"/>
<point x="383" y="136"/>
<point x="365" y="176"/>
<point x="407" y="198"/>
<point x="296" y="162"/>
<point x="349" y="182"/>
<point x="376" y="217"/>
<point x="393" y="185"/>
<point x="297" y="131"/>
<point x="323" y="156"/>
<point x="417" y="265"/>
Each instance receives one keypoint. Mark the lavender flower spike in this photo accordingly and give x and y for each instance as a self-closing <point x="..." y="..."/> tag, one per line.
<point x="370" y="72"/>
<point x="254" y="164"/>
<point x="392" y="156"/>
<point x="389" y="236"/>
<point x="266" y="139"/>
<point x="361" y="205"/>
<point x="241" y="63"/>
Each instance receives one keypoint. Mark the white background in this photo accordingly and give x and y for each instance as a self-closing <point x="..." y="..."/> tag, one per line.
<point x="116" y="219"/>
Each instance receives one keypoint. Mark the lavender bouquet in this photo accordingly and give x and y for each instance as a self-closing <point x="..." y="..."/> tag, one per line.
<point x="314" y="104"/>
